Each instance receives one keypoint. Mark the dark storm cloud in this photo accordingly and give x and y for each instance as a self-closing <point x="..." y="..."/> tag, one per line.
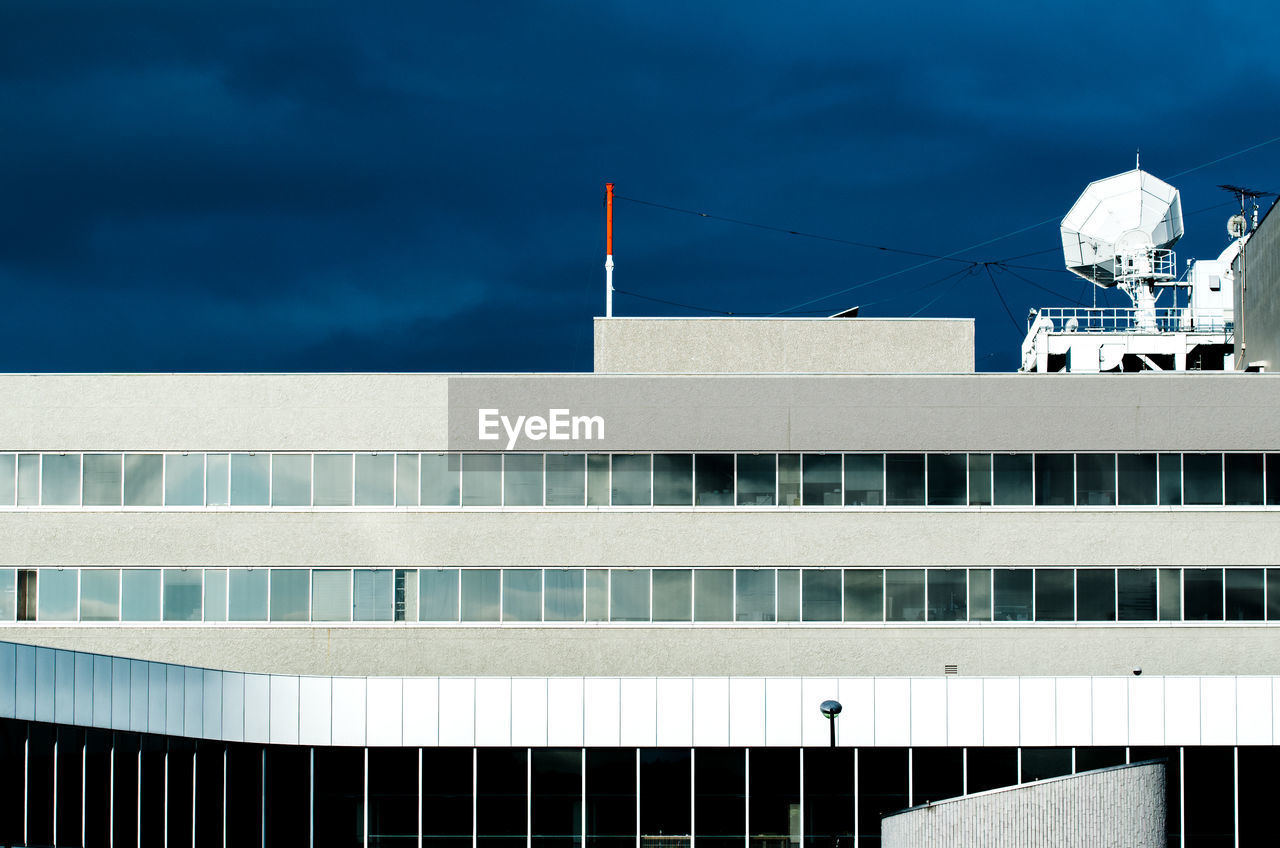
<point x="417" y="186"/>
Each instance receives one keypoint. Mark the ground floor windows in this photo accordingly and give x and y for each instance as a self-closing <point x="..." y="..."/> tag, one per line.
<point x="640" y="595"/>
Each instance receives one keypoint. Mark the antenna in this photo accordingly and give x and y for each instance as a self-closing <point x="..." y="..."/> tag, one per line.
<point x="1246" y="195"/>
<point x="1137" y="159"/>
<point x="608" y="251"/>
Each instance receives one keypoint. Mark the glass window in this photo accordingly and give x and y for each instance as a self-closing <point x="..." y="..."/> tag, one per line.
<point x="1202" y="594"/>
<point x="1011" y="594"/>
<point x="629" y="594"/>
<point x="1096" y="479"/>
<point x="250" y="479"/>
<point x="8" y="479"/>
<point x="719" y="797"/>
<point x="757" y="478"/>
<point x="215" y="594"/>
<point x="714" y="479"/>
<point x="376" y="479"/>
<point x="28" y="479"/>
<point x="481" y="479"/>
<point x="1245" y="594"/>
<point x="100" y="594"/>
<point x="1055" y="594"/>
<point x="821" y="594"/>
<point x="246" y="593"/>
<point x="754" y="593"/>
<point x="331" y="594"/>
<point x="332" y="479"/>
<point x="1136" y="594"/>
<point x="555" y="798"/>
<point x="1202" y="479"/>
<point x="290" y="594"/>
<point x="183" y="593"/>
<point x="290" y="479"/>
<point x="821" y="479"/>
<point x="948" y="481"/>
<point x="1273" y="594"/>
<point x="774" y="797"/>
<point x="1011" y="479"/>
<point x="59" y="594"/>
<point x="597" y="594"/>
<point x="140" y="594"/>
<point x="863" y="594"/>
<point x="948" y="594"/>
<point x="102" y="479"/>
<point x="1170" y="594"/>
<point x="1272" y="483"/>
<point x="406" y="594"/>
<point x="1096" y="594"/>
<point x="1043" y="763"/>
<point x="441" y="479"/>
<point x="566" y="479"/>
<point x="1055" y="479"/>
<point x="597" y="479"/>
<point x="481" y="594"/>
<point x="217" y="479"/>
<point x="904" y="479"/>
<point x="979" y="594"/>
<point x="713" y="594"/>
<point x="60" y="479"/>
<point x="672" y="594"/>
<point x="522" y="479"/>
<point x="864" y="479"/>
<point x="438" y="594"/>
<point x="562" y="593"/>
<point x="1170" y="479"/>
<point x="184" y="479"/>
<point x="672" y="479"/>
<point x="407" y="486"/>
<point x="665" y="797"/>
<point x="1137" y="479"/>
<point x="904" y="594"/>
<point x="789" y="595"/>
<point x="979" y="479"/>
<point x="1243" y="479"/>
<point x="789" y="479"/>
<point x="522" y="593"/>
<point x="8" y="594"/>
<point x="25" y="594"/>
<point x="631" y="480"/>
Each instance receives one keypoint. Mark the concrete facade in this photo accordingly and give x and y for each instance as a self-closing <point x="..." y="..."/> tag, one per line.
<point x="1121" y="807"/>
<point x="783" y="345"/>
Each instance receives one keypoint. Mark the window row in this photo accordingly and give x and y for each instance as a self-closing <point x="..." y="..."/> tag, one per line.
<point x="639" y="479"/>
<point x="64" y="785"/>
<point x="661" y="595"/>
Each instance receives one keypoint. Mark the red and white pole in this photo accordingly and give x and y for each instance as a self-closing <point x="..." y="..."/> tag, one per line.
<point x="608" y="251"/>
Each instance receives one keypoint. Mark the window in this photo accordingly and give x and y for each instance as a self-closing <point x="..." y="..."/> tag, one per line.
<point x="481" y="594"/>
<point x="713" y="594"/>
<point x="217" y="481"/>
<point x="757" y="479"/>
<point x="864" y="479"/>
<point x="632" y="480"/>
<point x="375" y="479"/>
<point x="948" y="481"/>
<point x="1170" y="594"/>
<point x="290" y="594"/>
<point x="904" y="479"/>
<point x="1202" y="594"/>
<point x="407" y="485"/>
<point x="522" y="479"/>
<point x="1096" y="479"/>
<point x="714" y="479"/>
<point x="789" y="594"/>
<point x="100" y="594"/>
<point x="1136" y="594"/>
<point x="103" y="476"/>
<point x="566" y="479"/>
<point x="522" y="594"/>
<point x="979" y="594"/>
<point x="1170" y="465"/>
<point x="60" y="479"/>
<point x="1202" y="479"/>
<point x="1242" y="474"/>
<point x="143" y="479"/>
<point x="140" y="594"/>
<point x="440" y="479"/>
<point x="821" y="479"/>
<point x="562" y="590"/>
<point x="673" y="594"/>
<point x="948" y="594"/>
<point x="250" y="479"/>
<point x="28" y="479"/>
<point x="1138" y="481"/>
<point x="1245" y="594"/>
<point x="331" y="595"/>
<point x="598" y="479"/>
<point x="215" y="594"/>
<point x="596" y="595"/>
<point x="290" y="479"/>
<point x="59" y="594"/>
<point x="8" y="479"/>
<point x="1055" y="479"/>
<point x="755" y="594"/>
<point x="481" y="479"/>
<point x="1055" y="594"/>
<point x="904" y="594"/>
<point x="1011" y="479"/>
<point x="863" y="594"/>
<point x="333" y="473"/>
<point x="438" y="594"/>
<point x="1096" y="594"/>
<point x="789" y="479"/>
<point x="246" y="594"/>
<point x="629" y="591"/>
<point x="183" y="593"/>
<point x="1011" y="594"/>
<point x="672" y="479"/>
<point x="979" y="479"/>
<point x="184" y="479"/>
<point x="821" y="590"/>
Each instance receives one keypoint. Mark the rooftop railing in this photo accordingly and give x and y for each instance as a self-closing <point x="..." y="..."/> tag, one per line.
<point x="1130" y="320"/>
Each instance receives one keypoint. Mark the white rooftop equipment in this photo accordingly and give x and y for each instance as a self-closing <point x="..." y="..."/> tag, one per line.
<point x="1120" y="234"/>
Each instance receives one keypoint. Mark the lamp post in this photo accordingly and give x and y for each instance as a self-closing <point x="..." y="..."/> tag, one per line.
<point x="831" y="709"/>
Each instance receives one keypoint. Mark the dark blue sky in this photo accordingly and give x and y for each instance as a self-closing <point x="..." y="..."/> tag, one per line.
<point x="418" y="186"/>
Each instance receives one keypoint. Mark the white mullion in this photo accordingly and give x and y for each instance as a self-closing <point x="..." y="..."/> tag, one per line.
<point x="637" y="750"/>
<point x="693" y="807"/>
<point x="365" y="817"/>
<point x="420" y="787"/>
<point x="856" y="789"/>
<point x="528" y="797"/>
<point x="474" y="785"/>
<point x="55" y="787"/>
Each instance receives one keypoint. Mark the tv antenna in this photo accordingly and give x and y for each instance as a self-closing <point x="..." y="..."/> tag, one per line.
<point x="1246" y="196"/>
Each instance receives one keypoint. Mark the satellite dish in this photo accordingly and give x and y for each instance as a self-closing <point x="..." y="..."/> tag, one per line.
<point x="1237" y="226"/>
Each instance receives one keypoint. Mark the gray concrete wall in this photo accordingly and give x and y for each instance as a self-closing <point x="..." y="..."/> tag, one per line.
<point x="1122" y="807"/>
<point x="646" y="538"/>
<point x="783" y="345"/>
<point x="1257" y="303"/>
<point x="681" y="651"/>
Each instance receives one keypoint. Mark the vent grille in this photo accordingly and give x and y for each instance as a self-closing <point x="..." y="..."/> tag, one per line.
<point x="951" y="669"/>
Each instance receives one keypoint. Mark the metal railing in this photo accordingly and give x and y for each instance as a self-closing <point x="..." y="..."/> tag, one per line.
<point x="1126" y="320"/>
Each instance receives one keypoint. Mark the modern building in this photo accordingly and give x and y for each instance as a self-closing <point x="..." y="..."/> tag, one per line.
<point x="545" y="610"/>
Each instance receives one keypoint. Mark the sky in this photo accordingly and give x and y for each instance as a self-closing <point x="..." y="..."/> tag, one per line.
<point x="313" y="186"/>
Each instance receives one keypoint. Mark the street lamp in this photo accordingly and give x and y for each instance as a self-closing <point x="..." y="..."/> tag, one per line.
<point x="831" y="709"/>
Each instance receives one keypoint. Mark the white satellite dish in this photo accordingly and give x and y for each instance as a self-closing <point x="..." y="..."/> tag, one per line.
<point x="1237" y="226"/>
